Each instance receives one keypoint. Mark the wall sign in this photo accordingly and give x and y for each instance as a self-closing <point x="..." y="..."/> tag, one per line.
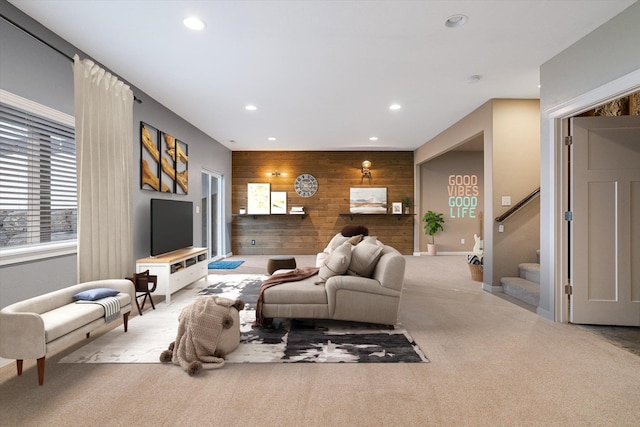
<point x="463" y="196"/>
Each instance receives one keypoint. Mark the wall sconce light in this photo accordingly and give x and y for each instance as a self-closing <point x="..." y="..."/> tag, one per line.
<point x="366" y="171"/>
<point x="276" y="173"/>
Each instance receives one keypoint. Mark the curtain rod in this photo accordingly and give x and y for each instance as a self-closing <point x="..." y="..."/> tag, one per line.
<point x="49" y="45"/>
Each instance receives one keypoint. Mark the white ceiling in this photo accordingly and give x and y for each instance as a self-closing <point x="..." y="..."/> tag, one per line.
<point x="323" y="73"/>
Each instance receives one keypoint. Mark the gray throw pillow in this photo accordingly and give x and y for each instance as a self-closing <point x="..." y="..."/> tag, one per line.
<point x="336" y="264"/>
<point x="364" y="258"/>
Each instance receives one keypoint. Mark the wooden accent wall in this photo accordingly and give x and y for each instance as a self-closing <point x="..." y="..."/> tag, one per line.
<point x="326" y="211"/>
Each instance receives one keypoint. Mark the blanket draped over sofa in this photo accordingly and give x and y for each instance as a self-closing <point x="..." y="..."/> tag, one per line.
<point x="277" y="279"/>
<point x="201" y="325"/>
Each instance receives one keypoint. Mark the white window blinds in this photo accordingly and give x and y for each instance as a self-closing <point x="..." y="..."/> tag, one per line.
<point x="38" y="195"/>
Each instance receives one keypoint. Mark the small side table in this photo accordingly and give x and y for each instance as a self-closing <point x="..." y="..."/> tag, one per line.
<point x="280" y="262"/>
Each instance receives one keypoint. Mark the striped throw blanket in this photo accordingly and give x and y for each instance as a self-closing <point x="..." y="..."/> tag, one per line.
<point x="111" y="307"/>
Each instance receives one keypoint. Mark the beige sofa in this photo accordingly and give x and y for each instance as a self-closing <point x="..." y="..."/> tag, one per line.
<point x="32" y="328"/>
<point x="361" y="283"/>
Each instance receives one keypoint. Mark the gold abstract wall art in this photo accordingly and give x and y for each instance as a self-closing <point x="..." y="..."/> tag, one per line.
<point x="164" y="161"/>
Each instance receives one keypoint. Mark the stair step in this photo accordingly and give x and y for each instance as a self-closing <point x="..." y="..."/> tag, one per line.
<point x="522" y="289"/>
<point x="530" y="271"/>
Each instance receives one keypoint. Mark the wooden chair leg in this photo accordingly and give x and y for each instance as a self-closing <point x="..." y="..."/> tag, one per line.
<point x="125" y="321"/>
<point x="150" y="300"/>
<point x="41" y="370"/>
<point x="138" y="304"/>
<point x="19" y="366"/>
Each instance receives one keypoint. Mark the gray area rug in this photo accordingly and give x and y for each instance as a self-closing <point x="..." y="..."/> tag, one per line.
<point x="284" y="342"/>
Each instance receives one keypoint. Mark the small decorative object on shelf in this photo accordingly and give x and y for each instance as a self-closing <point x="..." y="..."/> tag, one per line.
<point x="407" y="203"/>
<point x="243" y="211"/>
<point x="396" y="208"/>
<point x="297" y="210"/>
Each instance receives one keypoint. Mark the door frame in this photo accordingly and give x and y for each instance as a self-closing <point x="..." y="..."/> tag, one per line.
<point x="557" y="248"/>
<point x="220" y="214"/>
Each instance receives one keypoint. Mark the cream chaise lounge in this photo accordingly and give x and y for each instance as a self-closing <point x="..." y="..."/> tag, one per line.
<point x="32" y="328"/>
<point x="361" y="283"/>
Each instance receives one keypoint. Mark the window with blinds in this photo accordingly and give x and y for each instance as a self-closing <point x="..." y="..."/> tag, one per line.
<point x="38" y="194"/>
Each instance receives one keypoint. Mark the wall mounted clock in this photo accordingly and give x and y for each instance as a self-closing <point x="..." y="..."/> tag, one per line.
<point x="306" y="185"/>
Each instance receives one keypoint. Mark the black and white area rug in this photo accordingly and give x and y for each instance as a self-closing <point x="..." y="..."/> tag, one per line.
<point x="287" y="341"/>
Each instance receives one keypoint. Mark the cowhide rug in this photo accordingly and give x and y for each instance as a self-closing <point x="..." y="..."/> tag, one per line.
<point x="285" y="342"/>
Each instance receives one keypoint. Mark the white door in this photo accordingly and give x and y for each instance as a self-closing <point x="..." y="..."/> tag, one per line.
<point x="605" y="230"/>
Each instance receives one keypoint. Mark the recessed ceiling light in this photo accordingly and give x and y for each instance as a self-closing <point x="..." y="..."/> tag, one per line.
<point x="251" y="107"/>
<point x="373" y="138"/>
<point x="272" y="138"/>
<point x="455" y="21"/>
<point x="194" y="23"/>
<point x="395" y="106"/>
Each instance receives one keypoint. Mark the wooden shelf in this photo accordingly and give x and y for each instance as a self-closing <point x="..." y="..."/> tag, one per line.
<point x="255" y="216"/>
<point x="399" y="216"/>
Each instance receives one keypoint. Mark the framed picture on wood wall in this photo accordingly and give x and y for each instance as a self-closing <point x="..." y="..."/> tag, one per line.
<point x="278" y="202"/>
<point x="366" y="200"/>
<point x="258" y="198"/>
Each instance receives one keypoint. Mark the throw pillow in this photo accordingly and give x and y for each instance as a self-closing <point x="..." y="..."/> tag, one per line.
<point x="336" y="264"/>
<point x="354" y="230"/>
<point x="372" y="239"/>
<point x="364" y="258"/>
<point x="94" y="294"/>
<point x="355" y="239"/>
<point x="336" y="241"/>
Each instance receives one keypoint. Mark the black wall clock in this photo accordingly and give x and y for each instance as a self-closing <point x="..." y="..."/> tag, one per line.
<point x="306" y="185"/>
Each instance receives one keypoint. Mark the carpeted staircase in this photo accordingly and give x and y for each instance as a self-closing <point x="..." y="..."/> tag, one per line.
<point x="525" y="287"/>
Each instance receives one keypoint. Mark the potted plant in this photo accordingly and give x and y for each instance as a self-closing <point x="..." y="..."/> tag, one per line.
<point x="433" y="223"/>
<point x="406" y="202"/>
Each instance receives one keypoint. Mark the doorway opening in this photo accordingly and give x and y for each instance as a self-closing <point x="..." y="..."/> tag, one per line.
<point x="212" y="214"/>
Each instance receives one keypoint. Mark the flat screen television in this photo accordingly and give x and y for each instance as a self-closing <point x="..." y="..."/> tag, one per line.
<point x="171" y="225"/>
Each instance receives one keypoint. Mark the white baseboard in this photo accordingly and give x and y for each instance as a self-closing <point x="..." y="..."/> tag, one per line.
<point x="545" y="313"/>
<point x="441" y="253"/>
<point x="491" y="288"/>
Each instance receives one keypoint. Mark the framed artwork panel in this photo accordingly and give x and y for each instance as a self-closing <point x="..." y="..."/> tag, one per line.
<point x="278" y="202"/>
<point x="258" y="198"/>
<point x="149" y="158"/>
<point x="366" y="200"/>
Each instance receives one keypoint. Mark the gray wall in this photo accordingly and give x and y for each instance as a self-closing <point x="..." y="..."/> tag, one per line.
<point x="608" y="53"/>
<point x="34" y="71"/>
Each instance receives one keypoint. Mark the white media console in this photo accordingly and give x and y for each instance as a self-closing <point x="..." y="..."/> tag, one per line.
<point x="176" y="269"/>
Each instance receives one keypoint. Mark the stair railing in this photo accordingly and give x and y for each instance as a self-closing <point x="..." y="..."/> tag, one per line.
<point x="535" y="193"/>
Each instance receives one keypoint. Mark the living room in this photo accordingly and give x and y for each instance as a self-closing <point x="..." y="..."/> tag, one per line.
<point x="50" y="82"/>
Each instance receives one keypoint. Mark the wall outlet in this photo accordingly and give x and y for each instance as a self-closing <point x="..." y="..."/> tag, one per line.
<point x="501" y="228"/>
<point x="253" y="242"/>
<point x="462" y="241"/>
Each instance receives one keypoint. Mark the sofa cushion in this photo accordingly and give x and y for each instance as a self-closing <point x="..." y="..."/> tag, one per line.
<point x="94" y="294"/>
<point x="68" y="318"/>
<point x="354" y="230"/>
<point x="364" y="258"/>
<point x="336" y="263"/>
<point x="301" y="292"/>
<point x="335" y="241"/>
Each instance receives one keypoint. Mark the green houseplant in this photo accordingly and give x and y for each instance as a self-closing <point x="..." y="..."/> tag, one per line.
<point x="433" y="223"/>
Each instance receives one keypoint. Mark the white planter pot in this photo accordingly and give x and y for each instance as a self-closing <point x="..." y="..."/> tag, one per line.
<point x="431" y="249"/>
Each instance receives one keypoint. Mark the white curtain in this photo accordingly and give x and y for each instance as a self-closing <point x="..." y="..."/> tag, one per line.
<point x="104" y="147"/>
